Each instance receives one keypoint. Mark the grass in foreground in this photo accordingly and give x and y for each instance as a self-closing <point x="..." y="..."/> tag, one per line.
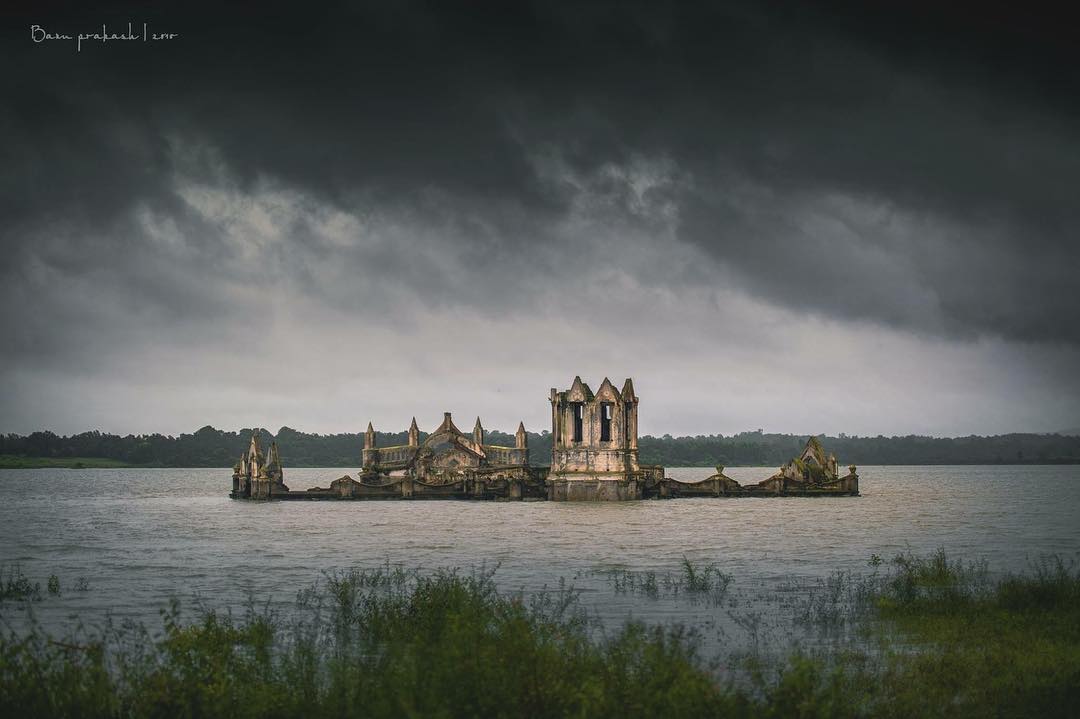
<point x="394" y="643"/>
<point x="1008" y="648"/>
<point x="382" y="643"/>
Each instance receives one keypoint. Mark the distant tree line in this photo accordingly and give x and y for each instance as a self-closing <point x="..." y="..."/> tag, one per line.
<point x="761" y="449"/>
<point x="209" y="447"/>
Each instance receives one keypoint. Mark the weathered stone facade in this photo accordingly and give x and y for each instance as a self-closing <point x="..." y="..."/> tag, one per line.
<point x="447" y="463"/>
<point x="256" y="476"/>
<point x="594" y="457"/>
<point x="595" y="445"/>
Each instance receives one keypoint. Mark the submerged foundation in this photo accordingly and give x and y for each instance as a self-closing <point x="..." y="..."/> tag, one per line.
<point x="594" y="458"/>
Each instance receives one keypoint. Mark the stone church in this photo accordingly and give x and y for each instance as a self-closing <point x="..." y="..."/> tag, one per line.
<point x="447" y="461"/>
<point x="594" y="457"/>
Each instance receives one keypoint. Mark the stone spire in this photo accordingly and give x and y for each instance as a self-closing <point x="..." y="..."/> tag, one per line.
<point x="272" y="457"/>
<point x="478" y="432"/>
<point x="607" y="384"/>
<point x="369" y="437"/>
<point x="521" y="440"/>
<point x="414" y="434"/>
<point x="255" y="456"/>
<point x="273" y="468"/>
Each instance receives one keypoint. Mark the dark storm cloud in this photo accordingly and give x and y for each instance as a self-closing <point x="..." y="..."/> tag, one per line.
<point x="915" y="169"/>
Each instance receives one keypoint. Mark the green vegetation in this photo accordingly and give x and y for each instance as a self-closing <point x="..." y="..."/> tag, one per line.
<point x="1005" y="648"/>
<point x="14" y="585"/>
<point x="209" y="447"/>
<point x="384" y="643"/>
<point x="705" y="581"/>
<point x="944" y="641"/>
<point x="950" y="642"/>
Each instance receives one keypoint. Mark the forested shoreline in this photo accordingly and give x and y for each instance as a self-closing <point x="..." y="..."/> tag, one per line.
<point x="210" y="447"/>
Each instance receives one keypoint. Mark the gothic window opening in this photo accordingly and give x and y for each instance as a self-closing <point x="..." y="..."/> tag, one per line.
<point x="579" y="420"/>
<point x="605" y="421"/>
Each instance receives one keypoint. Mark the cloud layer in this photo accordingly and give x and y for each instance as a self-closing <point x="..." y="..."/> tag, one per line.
<point x="792" y="220"/>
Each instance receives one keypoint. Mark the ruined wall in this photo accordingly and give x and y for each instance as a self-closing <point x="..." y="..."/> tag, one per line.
<point x="505" y="456"/>
<point x="594" y="432"/>
<point x="594" y="444"/>
<point x="593" y="490"/>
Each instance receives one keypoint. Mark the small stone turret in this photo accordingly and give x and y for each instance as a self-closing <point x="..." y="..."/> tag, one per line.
<point x="414" y="434"/>
<point x="236" y="480"/>
<point x="273" y="462"/>
<point x="851" y="481"/>
<point x="521" y="440"/>
<point x="254" y="455"/>
<point x="478" y="432"/>
<point x="630" y="400"/>
<point x="370" y="454"/>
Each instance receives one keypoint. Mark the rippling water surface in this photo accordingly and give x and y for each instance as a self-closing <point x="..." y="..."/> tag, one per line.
<point x="142" y="536"/>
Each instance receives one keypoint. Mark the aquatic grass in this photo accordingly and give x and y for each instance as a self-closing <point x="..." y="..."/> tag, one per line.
<point x="370" y="644"/>
<point x="16" y="586"/>
<point x="1011" y="644"/>
<point x="934" y="580"/>
<point x="951" y="641"/>
<point x="841" y="599"/>
<point x="1050" y="585"/>
<point x="625" y="581"/>
<point x="845" y="597"/>
<point x="693" y="580"/>
<point x="954" y="642"/>
<point x="702" y="579"/>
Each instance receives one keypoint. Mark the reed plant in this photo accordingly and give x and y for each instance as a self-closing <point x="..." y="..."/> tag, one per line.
<point x="951" y="641"/>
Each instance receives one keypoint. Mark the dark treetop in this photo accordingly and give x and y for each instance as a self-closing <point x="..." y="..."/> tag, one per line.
<point x="209" y="447"/>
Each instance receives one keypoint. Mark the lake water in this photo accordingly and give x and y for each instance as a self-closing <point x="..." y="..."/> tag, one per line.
<point x="142" y="536"/>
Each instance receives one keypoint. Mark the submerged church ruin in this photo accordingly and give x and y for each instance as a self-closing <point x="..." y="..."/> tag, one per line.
<point x="594" y="457"/>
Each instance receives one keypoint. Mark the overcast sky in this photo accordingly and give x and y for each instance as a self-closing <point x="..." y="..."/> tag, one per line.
<point x="803" y="221"/>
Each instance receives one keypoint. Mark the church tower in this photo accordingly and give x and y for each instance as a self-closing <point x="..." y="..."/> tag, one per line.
<point x="370" y="453"/>
<point x="594" y="451"/>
